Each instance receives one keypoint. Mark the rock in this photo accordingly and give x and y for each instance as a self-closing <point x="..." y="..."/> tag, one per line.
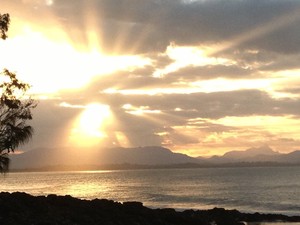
<point x="21" y="208"/>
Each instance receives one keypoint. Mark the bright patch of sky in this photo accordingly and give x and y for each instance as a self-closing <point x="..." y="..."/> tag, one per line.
<point x="198" y="77"/>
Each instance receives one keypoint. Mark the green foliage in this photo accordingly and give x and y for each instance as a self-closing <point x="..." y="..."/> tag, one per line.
<point x="15" y="109"/>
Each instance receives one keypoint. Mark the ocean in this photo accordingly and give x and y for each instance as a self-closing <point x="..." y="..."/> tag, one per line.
<point x="253" y="189"/>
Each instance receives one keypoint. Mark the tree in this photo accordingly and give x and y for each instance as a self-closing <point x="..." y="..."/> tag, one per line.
<point x="4" y="23"/>
<point x="15" y="108"/>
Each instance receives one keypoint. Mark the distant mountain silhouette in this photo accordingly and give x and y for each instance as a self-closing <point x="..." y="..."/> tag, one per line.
<point x="293" y="157"/>
<point x="46" y="157"/>
<point x="261" y="154"/>
<point x="251" y="152"/>
<point x="153" y="156"/>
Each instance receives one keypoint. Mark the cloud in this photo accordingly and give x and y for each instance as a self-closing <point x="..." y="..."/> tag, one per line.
<point x="51" y="123"/>
<point x="181" y="119"/>
<point x="251" y="46"/>
<point x="150" y="25"/>
<point x="205" y="105"/>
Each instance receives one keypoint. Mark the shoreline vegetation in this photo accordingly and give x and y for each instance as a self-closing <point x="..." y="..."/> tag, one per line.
<point x="21" y="208"/>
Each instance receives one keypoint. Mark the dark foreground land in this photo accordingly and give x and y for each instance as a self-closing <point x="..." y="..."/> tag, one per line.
<point x="23" y="209"/>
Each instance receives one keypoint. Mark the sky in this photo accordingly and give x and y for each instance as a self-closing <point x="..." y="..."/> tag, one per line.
<point x="200" y="77"/>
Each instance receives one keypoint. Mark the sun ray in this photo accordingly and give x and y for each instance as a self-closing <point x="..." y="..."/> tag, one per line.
<point x="122" y="140"/>
<point x="62" y="61"/>
<point x="259" y="31"/>
<point x="170" y="135"/>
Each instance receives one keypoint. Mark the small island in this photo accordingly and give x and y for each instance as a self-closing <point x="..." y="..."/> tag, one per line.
<point x="21" y="208"/>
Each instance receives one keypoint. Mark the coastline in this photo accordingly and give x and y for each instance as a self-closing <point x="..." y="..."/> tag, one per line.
<point x="22" y="208"/>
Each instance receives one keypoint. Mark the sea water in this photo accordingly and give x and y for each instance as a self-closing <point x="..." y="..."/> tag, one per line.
<point x="256" y="189"/>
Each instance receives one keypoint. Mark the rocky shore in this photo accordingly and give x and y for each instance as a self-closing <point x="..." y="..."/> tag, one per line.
<point x="23" y="209"/>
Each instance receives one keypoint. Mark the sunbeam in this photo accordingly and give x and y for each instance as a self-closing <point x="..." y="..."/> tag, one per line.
<point x="259" y="31"/>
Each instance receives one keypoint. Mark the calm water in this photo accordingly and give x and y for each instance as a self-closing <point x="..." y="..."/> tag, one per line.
<point x="269" y="190"/>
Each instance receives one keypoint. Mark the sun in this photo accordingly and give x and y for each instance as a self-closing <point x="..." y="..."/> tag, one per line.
<point x="89" y="128"/>
<point x="92" y="119"/>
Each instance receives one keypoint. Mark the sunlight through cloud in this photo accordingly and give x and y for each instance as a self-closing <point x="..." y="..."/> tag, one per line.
<point x="139" y="110"/>
<point x="188" y="56"/>
<point x="194" y="75"/>
<point x="89" y="128"/>
<point x="54" y="66"/>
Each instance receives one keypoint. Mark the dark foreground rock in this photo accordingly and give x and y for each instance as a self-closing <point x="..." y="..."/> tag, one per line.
<point x="23" y="209"/>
